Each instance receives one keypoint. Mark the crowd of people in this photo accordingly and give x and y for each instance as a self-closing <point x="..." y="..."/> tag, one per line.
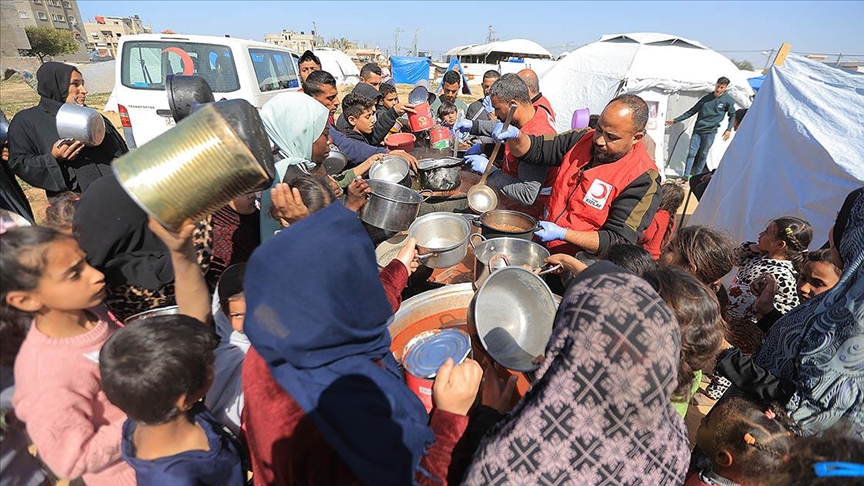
<point x="275" y="367"/>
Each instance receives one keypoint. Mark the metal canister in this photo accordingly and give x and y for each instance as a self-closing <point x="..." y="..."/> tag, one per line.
<point x="426" y="352"/>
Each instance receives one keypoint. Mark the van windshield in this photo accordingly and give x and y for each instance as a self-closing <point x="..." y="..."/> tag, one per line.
<point x="146" y="63"/>
<point x="274" y="69"/>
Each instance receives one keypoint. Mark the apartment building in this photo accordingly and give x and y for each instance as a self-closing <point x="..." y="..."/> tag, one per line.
<point x="104" y="34"/>
<point x="294" y="41"/>
<point x="57" y="14"/>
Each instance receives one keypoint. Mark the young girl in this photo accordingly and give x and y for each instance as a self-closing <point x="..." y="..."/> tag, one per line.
<point x="656" y="236"/>
<point x="780" y="251"/>
<point x="745" y="443"/>
<point x="60" y="210"/>
<point x="819" y="274"/>
<point x="49" y="287"/>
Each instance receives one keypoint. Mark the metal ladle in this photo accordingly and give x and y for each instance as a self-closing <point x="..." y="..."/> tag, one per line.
<point x="482" y="198"/>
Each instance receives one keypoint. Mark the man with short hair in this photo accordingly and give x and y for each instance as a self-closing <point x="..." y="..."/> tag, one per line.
<point x="526" y="184"/>
<point x="451" y="83"/>
<point x="608" y="188"/>
<point x="370" y="74"/>
<point x="711" y="109"/>
<point x="308" y="64"/>
<point x="537" y="99"/>
<point x="483" y="103"/>
<point x="321" y="86"/>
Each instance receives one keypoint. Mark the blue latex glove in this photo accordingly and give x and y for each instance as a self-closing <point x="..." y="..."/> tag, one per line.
<point x="475" y="149"/>
<point x="550" y="232"/>
<point x="478" y="163"/>
<point x="463" y="125"/>
<point x="487" y="105"/>
<point x="501" y="135"/>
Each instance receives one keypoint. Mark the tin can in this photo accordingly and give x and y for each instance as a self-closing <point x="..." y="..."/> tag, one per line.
<point x="426" y="352"/>
<point x="421" y="119"/>
<point x="440" y="138"/>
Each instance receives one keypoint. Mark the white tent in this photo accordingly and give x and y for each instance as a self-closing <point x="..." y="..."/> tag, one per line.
<point x="339" y="65"/>
<point x="498" y="50"/>
<point x="671" y="73"/>
<point x="797" y="152"/>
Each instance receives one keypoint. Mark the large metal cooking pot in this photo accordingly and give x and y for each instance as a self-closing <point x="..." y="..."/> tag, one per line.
<point x="392" y="168"/>
<point x="442" y="239"/>
<point x="390" y="206"/>
<point x="504" y="222"/>
<point x="335" y="161"/>
<point x="162" y="311"/>
<point x="186" y="94"/>
<point x="80" y="123"/>
<point x="496" y="253"/>
<point x="517" y="333"/>
<point x="441" y="174"/>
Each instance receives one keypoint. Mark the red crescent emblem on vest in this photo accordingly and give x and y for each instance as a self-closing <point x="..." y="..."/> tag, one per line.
<point x="604" y="190"/>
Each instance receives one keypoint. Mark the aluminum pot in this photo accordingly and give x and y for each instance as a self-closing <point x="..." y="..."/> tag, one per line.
<point x="496" y="253"/>
<point x="335" y="161"/>
<point x="172" y="310"/>
<point x="517" y="333"/>
<point x="80" y="123"/>
<point x="392" y="168"/>
<point x="390" y="206"/>
<point x="441" y="174"/>
<point x="442" y="239"/>
<point x="504" y="222"/>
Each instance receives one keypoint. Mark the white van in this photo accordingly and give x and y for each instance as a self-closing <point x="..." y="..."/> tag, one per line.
<point x="234" y="68"/>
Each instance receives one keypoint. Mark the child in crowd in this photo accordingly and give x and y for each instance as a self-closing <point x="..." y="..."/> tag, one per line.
<point x="745" y="443"/>
<point x="780" y="251"/>
<point x="631" y="257"/>
<point x="389" y="99"/>
<point x="656" y="236"/>
<point x="359" y="111"/>
<point x="448" y="114"/>
<point x="818" y="275"/>
<point x="698" y="314"/>
<point x="704" y="252"/>
<point x="225" y="397"/>
<point x="157" y="370"/>
<point x="236" y="234"/>
<point x="53" y="319"/>
<point x="833" y="458"/>
<point x="60" y="210"/>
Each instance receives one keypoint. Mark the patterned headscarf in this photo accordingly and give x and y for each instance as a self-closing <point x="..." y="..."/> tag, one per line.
<point x="601" y="412"/>
<point x="819" y="345"/>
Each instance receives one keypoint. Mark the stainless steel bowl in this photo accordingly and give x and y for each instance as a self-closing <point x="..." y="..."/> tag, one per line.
<point x="80" y="123"/>
<point x="162" y="311"/>
<point x="392" y="168"/>
<point x="442" y="239"/>
<point x="513" y="313"/>
<point x="335" y="161"/>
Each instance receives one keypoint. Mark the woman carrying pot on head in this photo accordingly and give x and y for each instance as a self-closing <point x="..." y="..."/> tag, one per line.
<point x="297" y="126"/>
<point x="325" y="401"/>
<point x="38" y="155"/>
<point x="600" y="411"/>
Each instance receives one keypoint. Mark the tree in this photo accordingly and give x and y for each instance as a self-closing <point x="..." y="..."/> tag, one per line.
<point x="48" y="42"/>
<point x="743" y="65"/>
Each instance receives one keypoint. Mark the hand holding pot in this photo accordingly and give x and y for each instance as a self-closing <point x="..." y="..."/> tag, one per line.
<point x="364" y="167"/>
<point x="463" y="126"/>
<point x="357" y="191"/>
<point x="456" y="387"/>
<point x="408" y="256"/>
<point x="410" y="158"/>
<point x="402" y="108"/>
<point x="64" y="151"/>
<point x="501" y="135"/>
<point x="568" y="263"/>
<point x="550" y="231"/>
<point x="495" y="394"/>
<point x="478" y="163"/>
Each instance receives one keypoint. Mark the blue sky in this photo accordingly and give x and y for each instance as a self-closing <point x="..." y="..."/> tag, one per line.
<point x="733" y="28"/>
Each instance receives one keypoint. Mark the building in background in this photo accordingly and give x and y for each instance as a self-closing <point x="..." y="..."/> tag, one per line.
<point x="57" y="14"/>
<point x="104" y="34"/>
<point x="297" y="42"/>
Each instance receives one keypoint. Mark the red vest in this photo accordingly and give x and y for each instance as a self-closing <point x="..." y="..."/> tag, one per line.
<point x="537" y="125"/>
<point x="581" y="197"/>
<point x="543" y="104"/>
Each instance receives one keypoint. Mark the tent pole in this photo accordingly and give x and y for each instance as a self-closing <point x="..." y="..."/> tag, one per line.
<point x="782" y="53"/>
<point x="686" y="203"/>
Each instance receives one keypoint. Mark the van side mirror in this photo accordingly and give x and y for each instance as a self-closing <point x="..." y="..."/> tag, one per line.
<point x="186" y="94"/>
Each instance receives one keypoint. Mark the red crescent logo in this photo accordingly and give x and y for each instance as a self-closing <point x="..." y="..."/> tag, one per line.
<point x="604" y="190"/>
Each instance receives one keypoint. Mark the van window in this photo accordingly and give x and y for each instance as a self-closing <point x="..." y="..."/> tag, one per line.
<point x="274" y="70"/>
<point x="146" y="63"/>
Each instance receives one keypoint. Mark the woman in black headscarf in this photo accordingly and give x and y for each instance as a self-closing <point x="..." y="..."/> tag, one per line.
<point x="39" y="157"/>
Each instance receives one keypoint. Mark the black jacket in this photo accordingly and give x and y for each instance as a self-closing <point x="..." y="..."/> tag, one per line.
<point x="33" y="133"/>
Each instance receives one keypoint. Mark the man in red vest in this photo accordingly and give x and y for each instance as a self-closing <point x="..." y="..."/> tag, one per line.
<point x="607" y="189"/>
<point x="524" y="184"/>
<point x="537" y="99"/>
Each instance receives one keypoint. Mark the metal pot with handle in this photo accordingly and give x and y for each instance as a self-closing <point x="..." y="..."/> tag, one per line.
<point x="505" y="222"/>
<point x="392" y="168"/>
<point x="390" y="206"/>
<point x="441" y="174"/>
<point x="495" y="253"/>
<point x="442" y="239"/>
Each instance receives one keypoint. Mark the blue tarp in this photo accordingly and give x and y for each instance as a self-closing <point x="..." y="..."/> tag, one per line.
<point x="756" y="82"/>
<point x="409" y="70"/>
<point x="455" y="64"/>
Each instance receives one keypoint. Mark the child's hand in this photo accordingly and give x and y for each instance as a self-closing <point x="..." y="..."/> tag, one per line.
<point x="288" y="206"/>
<point x="334" y="187"/>
<point x="357" y="191"/>
<point x="402" y="108"/>
<point x="177" y="241"/>
<point x="497" y="394"/>
<point x="456" y="387"/>
<point x="408" y="256"/>
<point x="412" y="161"/>
<point x="363" y="168"/>
<point x="567" y="262"/>
<point x="764" y="287"/>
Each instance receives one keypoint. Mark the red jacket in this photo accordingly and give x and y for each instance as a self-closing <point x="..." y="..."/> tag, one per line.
<point x="537" y="125"/>
<point x="285" y="446"/>
<point x="618" y="200"/>
<point x="541" y="103"/>
<point x="652" y="237"/>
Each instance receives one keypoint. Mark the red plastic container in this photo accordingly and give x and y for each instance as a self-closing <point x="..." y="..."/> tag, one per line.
<point x="422" y="118"/>
<point x="400" y="141"/>
<point x="426" y="352"/>
<point x="439" y="138"/>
